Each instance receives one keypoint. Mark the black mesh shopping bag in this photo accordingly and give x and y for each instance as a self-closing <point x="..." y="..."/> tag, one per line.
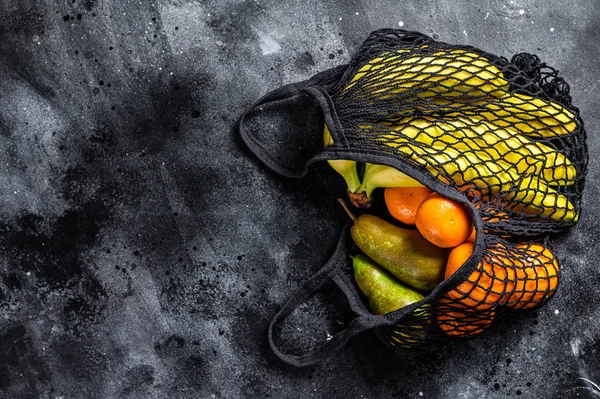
<point x="499" y="136"/>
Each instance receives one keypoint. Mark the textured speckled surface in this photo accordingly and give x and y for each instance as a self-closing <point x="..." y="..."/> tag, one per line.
<point x="143" y="251"/>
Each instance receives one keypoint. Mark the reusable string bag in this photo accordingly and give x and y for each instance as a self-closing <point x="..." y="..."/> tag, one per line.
<point x="500" y="136"/>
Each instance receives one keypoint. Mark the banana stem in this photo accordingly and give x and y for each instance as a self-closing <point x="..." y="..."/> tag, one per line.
<point x="359" y="199"/>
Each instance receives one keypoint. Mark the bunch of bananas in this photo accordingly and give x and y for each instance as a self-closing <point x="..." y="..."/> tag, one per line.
<point x="464" y="127"/>
<point x="360" y="188"/>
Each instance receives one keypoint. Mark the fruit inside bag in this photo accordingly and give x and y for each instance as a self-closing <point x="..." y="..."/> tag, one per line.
<point x="395" y="267"/>
<point x="475" y="161"/>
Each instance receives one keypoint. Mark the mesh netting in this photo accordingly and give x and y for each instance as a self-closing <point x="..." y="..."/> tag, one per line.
<point x="510" y="277"/>
<point x="503" y="133"/>
<point x="506" y="137"/>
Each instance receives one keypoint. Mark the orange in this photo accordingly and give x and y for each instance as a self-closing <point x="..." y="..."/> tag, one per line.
<point x="403" y="202"/>
<point x="457" y="321"/>
<point x="495" y="216"/>
<point x="522" y="276"/>
<point x="536" y="276"/>
<point x="457" y="257"/>
<point x="486" y="287"/>
<point x="443" y="222"/>
<point x="473" y="235"/>
<point x="492" y="217"/>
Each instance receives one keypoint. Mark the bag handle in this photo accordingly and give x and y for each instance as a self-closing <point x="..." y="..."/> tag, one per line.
<point x="331" y="271"/>
<point x="315" y="87"/>
<point x="254" y="144"/>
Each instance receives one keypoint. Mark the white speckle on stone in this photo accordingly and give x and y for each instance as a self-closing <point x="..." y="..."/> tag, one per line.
<point x="487" y="14"/>
<point x="551" y="29"/>
<point x="556" y="311"/>
<point x="521" y="12"/>
<point x="531" y="21"/>
<point x="400" y="23"/>
<point x="268" y="45"/>
<point x="420" y="393"/>
<point x="340" y="18"/>
<point x="575" y="344"/>
<point x="465" y="33"/>
<point x="357" y="13"/>
<point x="329" y="336"/>
<point x="28" y="273"/>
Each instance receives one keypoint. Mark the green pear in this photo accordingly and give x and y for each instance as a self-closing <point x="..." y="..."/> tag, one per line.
<point x="405" y="253"/>
<point x="385" y="293"/>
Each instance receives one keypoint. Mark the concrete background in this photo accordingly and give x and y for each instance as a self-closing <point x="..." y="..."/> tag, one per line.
<point x="143" y="250"/>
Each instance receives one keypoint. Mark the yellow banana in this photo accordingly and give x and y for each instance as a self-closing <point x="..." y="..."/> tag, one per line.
<point x="535" y="197"/>
<point x="380" y="62"/>
<point x="473" y="170"/>
<point x="464" y="168"/>
<point x="346" y="168"/>
<point x="452" y="73"/>
<point x="515" y="148"/>
<point x="413" y="331"/>
<point x="500" y="143"/>
<point x="375" y="176"/>
<point x="532" y="116"/>
<point x="452" y="80"/>
<point x="555" y="168"/>
<point x="481" y="145"/>
<point x="384" y="176"/>
<point x="493" y="177"/>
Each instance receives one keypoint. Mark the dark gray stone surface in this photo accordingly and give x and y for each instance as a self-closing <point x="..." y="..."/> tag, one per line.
<point x="143" y="251"/>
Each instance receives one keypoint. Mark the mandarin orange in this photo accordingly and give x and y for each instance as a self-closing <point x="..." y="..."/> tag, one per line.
<point x="443" y="222"/>
<point x="403" y="202"/>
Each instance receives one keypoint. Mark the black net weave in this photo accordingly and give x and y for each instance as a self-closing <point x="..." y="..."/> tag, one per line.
<point x="508" y="138"/>
<point x="510" y="277"/>
<point x="500" y="136"/>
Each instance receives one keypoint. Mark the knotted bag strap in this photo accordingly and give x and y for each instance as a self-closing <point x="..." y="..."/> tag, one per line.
<point x="333" y="271"/>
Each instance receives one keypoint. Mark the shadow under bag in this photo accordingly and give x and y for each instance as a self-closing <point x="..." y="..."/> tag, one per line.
<point x="500" y="136"/>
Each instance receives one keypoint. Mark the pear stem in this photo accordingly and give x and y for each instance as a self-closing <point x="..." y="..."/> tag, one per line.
<point x="341" y="201"/>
